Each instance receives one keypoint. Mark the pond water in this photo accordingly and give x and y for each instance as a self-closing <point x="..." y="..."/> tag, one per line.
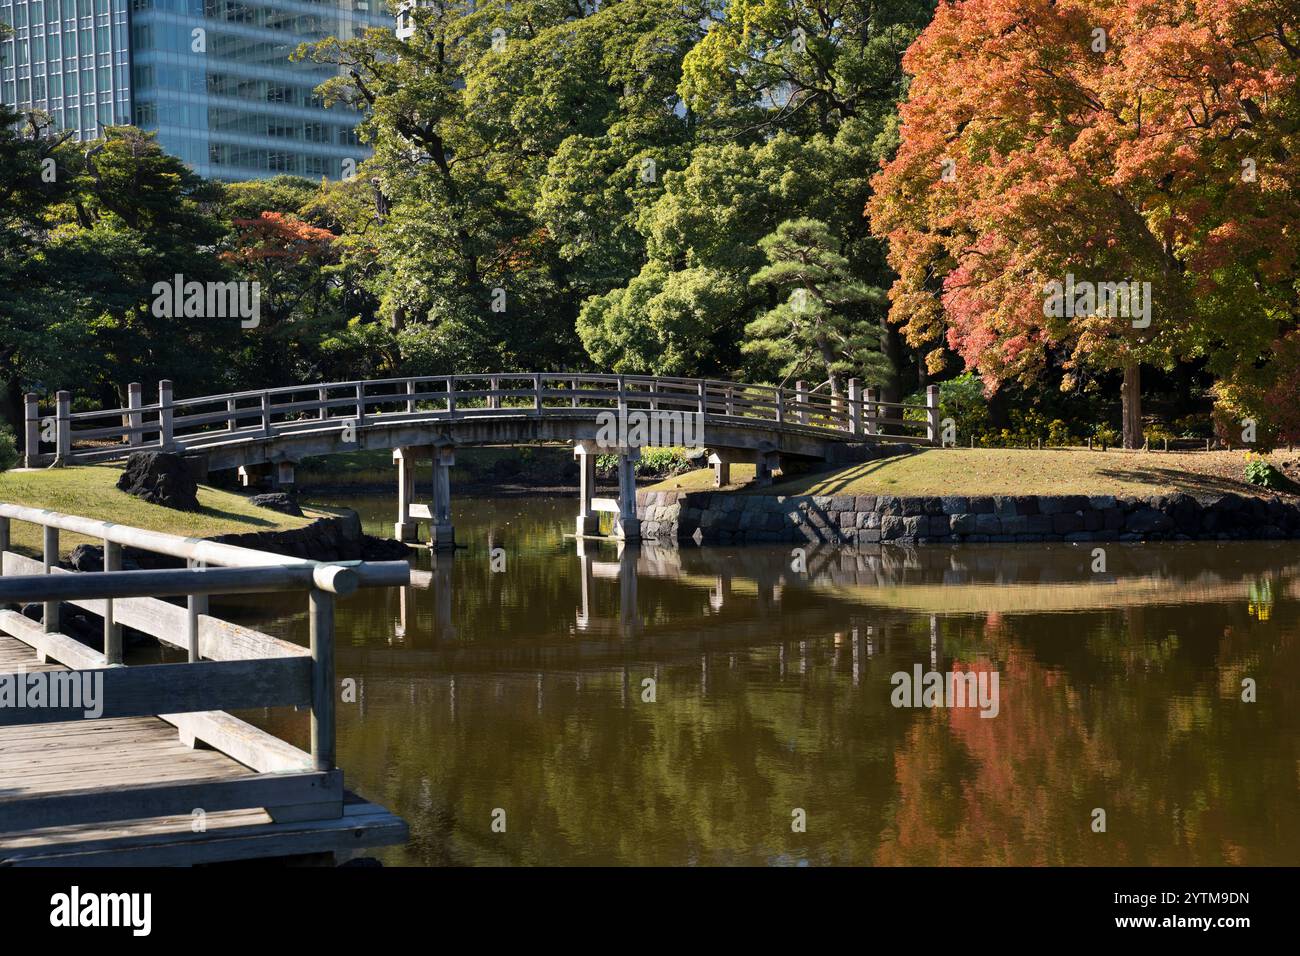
<point x="736" y="705"/>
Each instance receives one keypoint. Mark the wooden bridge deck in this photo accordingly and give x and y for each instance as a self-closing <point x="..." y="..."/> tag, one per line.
<point x="106" y="754"/>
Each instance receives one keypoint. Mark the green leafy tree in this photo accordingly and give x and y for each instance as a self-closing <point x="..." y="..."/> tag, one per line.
<point x="811" y="328"/>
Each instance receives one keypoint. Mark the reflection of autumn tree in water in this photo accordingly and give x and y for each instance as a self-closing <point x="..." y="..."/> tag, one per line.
<point x="1159" y="738"/>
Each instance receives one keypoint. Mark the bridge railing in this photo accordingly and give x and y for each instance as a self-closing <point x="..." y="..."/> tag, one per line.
<point x="192" y="423"/>
<point x="228" y="666"/>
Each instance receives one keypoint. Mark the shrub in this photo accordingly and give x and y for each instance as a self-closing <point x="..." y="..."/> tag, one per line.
<point x="1106" y="436"/>
<point x="8" y="448"/>
<point x="1268" y="396"/>
<point x="1260" y="472"/>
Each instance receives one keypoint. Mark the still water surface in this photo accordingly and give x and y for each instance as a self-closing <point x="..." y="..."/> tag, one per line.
<point x="525" y="690"/>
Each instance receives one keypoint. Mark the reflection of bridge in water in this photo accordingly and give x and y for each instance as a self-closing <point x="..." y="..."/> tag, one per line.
<point x="782" y="596"/>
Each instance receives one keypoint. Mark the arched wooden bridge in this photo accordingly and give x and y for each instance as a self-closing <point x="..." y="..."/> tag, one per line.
<point x="429" y="416"/>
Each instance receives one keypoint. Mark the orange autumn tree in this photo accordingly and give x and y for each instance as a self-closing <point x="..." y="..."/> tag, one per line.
<point x="289" y="257"/>
<point x="1051" y="145"/>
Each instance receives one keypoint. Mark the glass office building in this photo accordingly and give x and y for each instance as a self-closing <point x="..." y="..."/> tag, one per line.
<point x="211" y="77"/>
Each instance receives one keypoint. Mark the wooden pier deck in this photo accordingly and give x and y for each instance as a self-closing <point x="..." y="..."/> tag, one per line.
<point x="153" y="771"/>
<point x="133" y="752"/>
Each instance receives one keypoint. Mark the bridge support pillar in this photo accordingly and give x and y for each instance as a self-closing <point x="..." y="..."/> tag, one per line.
<point x="438" y="513"/>
<point x="765" y="462"/>
<point x="588" y="522"/>
<point x="405" y="528"/>
<point x="626" y="524"/>
<point x="284" y="477"/>
<point x="441" y="533"/>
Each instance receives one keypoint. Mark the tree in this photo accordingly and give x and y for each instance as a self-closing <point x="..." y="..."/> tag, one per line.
<point x="1046" y="143"/>
<point x="811" y="327"/>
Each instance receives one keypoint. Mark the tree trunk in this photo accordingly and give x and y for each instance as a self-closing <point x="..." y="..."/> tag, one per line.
<point x="1131" y="401"/>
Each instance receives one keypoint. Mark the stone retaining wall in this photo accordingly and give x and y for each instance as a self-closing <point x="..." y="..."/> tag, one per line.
<point x="883" y="519"/>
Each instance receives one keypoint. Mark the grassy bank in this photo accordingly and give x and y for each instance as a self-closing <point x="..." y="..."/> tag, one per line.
<point x="991" y="471"/>
<point x="92" y="493"/>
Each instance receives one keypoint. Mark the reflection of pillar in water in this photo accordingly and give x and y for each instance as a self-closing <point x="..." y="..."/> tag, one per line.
<point x="583" y="615"/>
<point x="871" y="648"/>
<point x="803" y="657"/>
<point x="856" y="665"/>
<point x="441" y="584"/>
<point x="936" y="642"/>
<point x="629" y="621"/>
<point x="539" y="692"/>
<point x="780" y="660"/>
<point x="451" y="696"/>
<point x="405" y="611"/>
<point x="704" y="675"/>
<point x="623" y="685"/>
<point x="720" y="592"/>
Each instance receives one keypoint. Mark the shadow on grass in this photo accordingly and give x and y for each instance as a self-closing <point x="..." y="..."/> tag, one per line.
<point x="843" y="477"/>
<point x="1190" y="482"/>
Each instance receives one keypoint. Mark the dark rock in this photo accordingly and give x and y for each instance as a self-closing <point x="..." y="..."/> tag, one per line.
<point x="160" y="478"/>
<point x="1148" y="520"/>
<point x="277" y="501"/>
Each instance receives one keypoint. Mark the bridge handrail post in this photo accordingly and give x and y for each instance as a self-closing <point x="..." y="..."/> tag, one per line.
<point x="730" y="393"/>
<point x="575" y="393"/>
<point x="323" y="396"/>
<point x="702" y="392"/>
<point x="778" y="395"/>
<point x="537" y="393"/>
<point x="361" y="403"/>
<point x="410" y="391"/>
<point x="195" y="604"/>
<point x="4" y="541"/>
<point x="62" y="427"/>
<point x="134" y="399"/>
<point x="932" y="414"/>
<point x="451" y="396"/>
<point x="112" y="630"/>
<point x="622" y="398"/>
<point x="165" y="414"/>
<point x="50" y="560"/>
<point x="654" y="395"/>
<point x="801" y="401"/>
<point x="494" y="383"/>
<point x="870" y="416"/>
<point x="855" y="407"/>
<point x="321" y="627"/>
<point x="266" y="413"/>
<point x="232" y="416"/>
<point x="32" y="430"/>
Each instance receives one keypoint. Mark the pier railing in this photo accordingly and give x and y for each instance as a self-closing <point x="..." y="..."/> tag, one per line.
<point x="172" y="424"/>
<point x="229" y="667"/>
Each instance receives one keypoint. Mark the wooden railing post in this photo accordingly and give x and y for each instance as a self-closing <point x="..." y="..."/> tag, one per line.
<point x="855" y="407"/>
<point x="165" y="414"/>
<point x="451" y="397"/>
<point x="323" y="396"/>
<point x="62" y="428"/>
<point x="32" y="430"/>
<point x="266" y="413"/>
<point x="50" y="619"/>
<point x="112" y="630"/>
<point x="801" y="401"/>
<point x="134" y="420"/>
<point x="361" y="403"/>
<point x="494" y="384"/>
<point x="232" y="419"/>
<point x="410" y="401"/>
<point x="869" y="419"/>
<point x="537" y="393"/>
<point x="778" y="395"/>
<point x="932" y="414"/>
<point x="702" y="393"/>
<point x="321" y="612"/>
<point x="195" y="604"/>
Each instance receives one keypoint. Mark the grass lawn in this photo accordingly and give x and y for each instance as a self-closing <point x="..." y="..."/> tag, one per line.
<point x="91" y="492"/>
<point x="993" y="471"/>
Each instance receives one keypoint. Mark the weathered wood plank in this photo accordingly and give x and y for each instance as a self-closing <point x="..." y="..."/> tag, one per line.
<point x="172" y="688"/>
<point x="104" y="804"/>
<point x="235" y="836"/>
<point x="242" y="741"/>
